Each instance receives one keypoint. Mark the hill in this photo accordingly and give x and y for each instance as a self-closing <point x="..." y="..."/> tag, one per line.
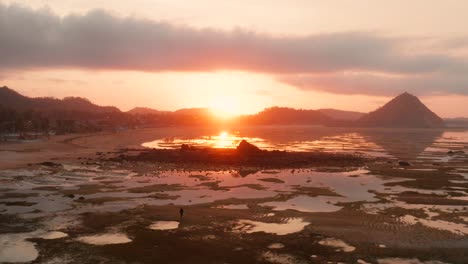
<point x="287" y="116"/>
<point x="146" y="111"/>
<point x="22" y="114"/>
<point x="70" y="106"/>
<point x="341" y="114"/>
<point x="405" y="110"/>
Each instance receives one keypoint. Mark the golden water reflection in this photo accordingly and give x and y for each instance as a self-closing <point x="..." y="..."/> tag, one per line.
<point x="222" y="140"/>
<point x="399" y="143"/>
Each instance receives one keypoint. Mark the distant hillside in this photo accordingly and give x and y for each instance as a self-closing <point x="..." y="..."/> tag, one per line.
<point x="146" y="111"/>
<point x="342" y="115"/>
<point x="287" y="116"/>
<point x="405" y="110"/>
<point x="194" y="112"/>
<point x="456" y="122"/>
<point x="74" y="106"/>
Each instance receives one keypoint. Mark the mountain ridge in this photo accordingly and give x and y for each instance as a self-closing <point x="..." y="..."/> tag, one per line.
<point x="405" y="110"/>
<point x="145" y="111"/>
<point x="11" y="99"/>
<point x="341" y="114"/>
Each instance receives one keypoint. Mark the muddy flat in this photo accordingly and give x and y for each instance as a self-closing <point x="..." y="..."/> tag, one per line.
<point x="98" y="209"/>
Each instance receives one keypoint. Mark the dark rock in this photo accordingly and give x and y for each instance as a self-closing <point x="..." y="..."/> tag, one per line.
<point x="246" y="172"/>
<point x="247" y="148"/>
<point x="81" y="198"/>
<point x="186" y="147"/>
<point x="246" y="155"/>
<point x="50" y="164"/>
<point x="71" y="196"/>
<point x="456" y="152"/>
<point x="404" y="164"/>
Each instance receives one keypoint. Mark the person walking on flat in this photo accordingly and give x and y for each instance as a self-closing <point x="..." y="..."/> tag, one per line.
<point x="181" y="213"/>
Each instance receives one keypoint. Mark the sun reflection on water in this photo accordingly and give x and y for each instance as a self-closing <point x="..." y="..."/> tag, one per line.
<point x="399" y="144"/>
<point x="223" y="140"/>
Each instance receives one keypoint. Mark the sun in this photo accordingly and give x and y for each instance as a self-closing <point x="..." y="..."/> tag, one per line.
<point x="224" y="106"/>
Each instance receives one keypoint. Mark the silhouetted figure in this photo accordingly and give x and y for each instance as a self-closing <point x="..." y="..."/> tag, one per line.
<point x="181" y="212"/>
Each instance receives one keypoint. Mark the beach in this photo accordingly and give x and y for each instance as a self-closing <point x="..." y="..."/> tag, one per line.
<point x="92" y="198"/>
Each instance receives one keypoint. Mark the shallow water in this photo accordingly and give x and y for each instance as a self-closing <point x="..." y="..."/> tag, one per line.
<point x="182" y="189"/>
<point x="164" y="225"/>
<point x="16" y="247"/>
<point x="290" y="226"/>
<point x="340" y="245"/>
<point x="234" y="206"/>
<point x="53" y="235"/>
<point x="105" y="239"/>
<point x="276" y="246"/>
<point x="306" y="204"/>
<point x="398" y="143"/>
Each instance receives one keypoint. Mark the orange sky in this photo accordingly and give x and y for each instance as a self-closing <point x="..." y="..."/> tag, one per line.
<point x="351" y="55"/>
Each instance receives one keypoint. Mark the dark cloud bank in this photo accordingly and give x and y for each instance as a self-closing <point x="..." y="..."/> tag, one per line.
<point x="31" y="39"/>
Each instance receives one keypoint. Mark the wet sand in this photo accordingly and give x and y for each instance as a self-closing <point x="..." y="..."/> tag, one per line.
<point x="99" y="210"/>
<point x="68" y="148"/>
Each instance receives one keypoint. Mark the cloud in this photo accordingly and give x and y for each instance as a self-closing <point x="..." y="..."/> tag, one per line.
<point x="64" y="81"/>
<point x="380" y="85"/>
<point x="262" y="92"/>
<point x="39" y="39"/>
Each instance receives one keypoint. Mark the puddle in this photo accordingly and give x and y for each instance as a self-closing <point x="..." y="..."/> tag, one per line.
<point x="178" y="188"/>
<point x="234" y="206"/>
<point x="276" y="246"/>
<point x="340" y="245"/>
<point x="164" y="225"/>
<point x="105" y="239"/>
<point x="53" y="235"/>
<point x="455" y="228"/>
<point x="306" y="204"/>
<point x="292" y="225"/>
<point x="15" y="248"/>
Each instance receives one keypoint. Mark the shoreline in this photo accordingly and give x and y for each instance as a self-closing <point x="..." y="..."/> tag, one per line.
<point x="64" y="148"/>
